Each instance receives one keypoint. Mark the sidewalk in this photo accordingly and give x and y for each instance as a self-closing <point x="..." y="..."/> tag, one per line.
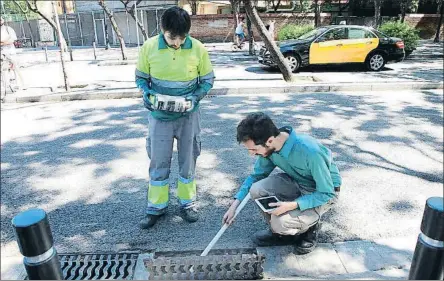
<point x="384" y="259"/>
<point x="236" y="73"/>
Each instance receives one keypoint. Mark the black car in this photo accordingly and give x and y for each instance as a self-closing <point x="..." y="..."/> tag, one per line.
<point x="337" y="44"/>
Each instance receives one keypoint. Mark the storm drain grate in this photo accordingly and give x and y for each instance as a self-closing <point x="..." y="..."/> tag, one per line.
<point x="98" y="266"/>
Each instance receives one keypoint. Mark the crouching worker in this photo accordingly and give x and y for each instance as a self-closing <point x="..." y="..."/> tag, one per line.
<point x="306" y="189"/>
<point x="174" y="73"/>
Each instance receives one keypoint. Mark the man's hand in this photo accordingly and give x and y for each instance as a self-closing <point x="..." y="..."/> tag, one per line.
<point x="283" y="207"/>
<point x="229" y="215"/>
<point x="193" y="100"/>
<point x="146" y="101"/>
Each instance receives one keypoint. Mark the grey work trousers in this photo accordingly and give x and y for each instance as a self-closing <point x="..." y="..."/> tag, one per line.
<point x="159" y="146"/>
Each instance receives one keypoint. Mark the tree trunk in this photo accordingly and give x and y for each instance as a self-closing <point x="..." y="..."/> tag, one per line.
<point x="234" y="8"/>
<point x="193" y="4"/>
<point x="109" y="13"/>
<point x="250" y="37"/>
<point x="132" y="13"/>
<point x="438" y="30"/>
<point x="317" y="12"/>
<point x="377" y="13"/>
<point x="276" y="7"/>
<point x="269" y="44"/>
<point x="62" y="54"/>
<point x="403" y="10"/>
<point x="48" y="19"/>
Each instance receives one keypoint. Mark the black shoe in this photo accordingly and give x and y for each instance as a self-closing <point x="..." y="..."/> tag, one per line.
<point x="148" y="221"/>
<point x="309" y="240"/>
<point x="189" y="214"/>
<point x="265" y="238"/>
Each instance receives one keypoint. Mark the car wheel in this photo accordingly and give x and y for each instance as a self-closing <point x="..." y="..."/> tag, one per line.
<point x="375" y="62"/>
<point x="293" y="62"/>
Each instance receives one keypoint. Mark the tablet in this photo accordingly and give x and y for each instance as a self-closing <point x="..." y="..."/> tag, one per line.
<point x="264" y="203"/>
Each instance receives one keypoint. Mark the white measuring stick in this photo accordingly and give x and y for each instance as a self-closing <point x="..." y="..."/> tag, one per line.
<point x="225" y="226"/>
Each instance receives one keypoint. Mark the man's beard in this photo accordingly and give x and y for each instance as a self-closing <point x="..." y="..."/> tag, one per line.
<point x="268" y="151"/>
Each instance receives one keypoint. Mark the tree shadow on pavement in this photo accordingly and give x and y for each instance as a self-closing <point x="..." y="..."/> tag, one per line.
<point x="88" y="168"/>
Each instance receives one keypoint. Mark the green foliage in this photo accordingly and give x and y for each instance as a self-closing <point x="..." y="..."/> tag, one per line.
<point x="293" y="31"/>
<point x="402" y="30"/>
<point x="12" y="12"/>
<point x="303" y="6"/>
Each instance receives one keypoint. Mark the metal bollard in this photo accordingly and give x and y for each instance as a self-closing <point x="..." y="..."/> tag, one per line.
<point x="428" y="259"/>
<point x="36" y="245"/>
<point x="94" y="48"/>
<point x="46" y="53"/>
<point x="70" y="52"/>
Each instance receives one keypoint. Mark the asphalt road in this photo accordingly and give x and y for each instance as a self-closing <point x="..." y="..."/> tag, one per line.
<point x="85" y="164"/>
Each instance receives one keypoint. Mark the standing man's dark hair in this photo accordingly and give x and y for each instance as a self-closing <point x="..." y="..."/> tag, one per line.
<point x="257" y="127"/>
<point x="177" y="21"/>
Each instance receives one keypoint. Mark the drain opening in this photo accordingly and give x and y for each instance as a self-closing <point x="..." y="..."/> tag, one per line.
<point x="98" y="266"/>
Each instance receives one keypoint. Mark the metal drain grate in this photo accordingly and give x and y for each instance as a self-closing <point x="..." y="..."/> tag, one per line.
<point x="98" y="266"/>
<point x="242" y="264"/>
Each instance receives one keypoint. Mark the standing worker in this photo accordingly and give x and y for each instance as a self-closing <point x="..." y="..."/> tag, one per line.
<point x="174" y="73"/>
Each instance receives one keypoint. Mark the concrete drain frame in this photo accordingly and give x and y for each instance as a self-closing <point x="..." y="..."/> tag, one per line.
<point x="236" y="264"/>
<point x="98" y="266"/>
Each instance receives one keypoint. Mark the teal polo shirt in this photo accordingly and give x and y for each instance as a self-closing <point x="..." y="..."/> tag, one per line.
<point x="307" y="161"/>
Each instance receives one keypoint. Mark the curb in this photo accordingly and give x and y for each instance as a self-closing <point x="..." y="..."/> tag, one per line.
<point x="307" y="88"/>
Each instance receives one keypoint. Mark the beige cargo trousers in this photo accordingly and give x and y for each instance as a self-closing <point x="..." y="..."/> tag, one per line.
<point x="285" y="188"/>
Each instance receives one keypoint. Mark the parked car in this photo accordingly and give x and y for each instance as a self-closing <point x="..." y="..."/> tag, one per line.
<point x="338" y="44"/>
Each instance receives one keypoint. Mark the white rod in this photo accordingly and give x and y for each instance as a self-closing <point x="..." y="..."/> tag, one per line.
<point x="225" y="226"/>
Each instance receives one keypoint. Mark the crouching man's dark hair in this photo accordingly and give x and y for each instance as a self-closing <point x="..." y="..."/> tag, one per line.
<point x="177" y="21"/>
<point x="257" y="127"/>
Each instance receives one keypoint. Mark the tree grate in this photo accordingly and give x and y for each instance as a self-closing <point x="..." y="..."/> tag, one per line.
<point x="98" y="266"/>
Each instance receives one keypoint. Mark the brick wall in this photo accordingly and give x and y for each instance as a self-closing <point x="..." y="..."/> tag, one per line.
<point x="219" y="28"/>
<point x="427" y="25"/>
<point x="215" y="28"/>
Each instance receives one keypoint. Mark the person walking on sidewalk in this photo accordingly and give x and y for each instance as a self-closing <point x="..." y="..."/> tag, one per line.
<point x="240" y="34"/>
<point x="176" y="66"/>
<point x="306" y="189"/>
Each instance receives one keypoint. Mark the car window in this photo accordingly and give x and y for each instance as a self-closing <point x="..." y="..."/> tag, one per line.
<point x="313" y="33"/>
<point x="335" y="34"/>
<point x="379" y="33"/>
<point x="359" y="33"/>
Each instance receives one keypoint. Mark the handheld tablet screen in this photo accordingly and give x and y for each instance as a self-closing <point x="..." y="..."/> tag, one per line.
<point x="266" y="201"/>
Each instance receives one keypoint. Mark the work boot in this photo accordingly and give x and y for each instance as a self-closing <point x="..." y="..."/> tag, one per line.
<point x="268" y="238"/>
<point x="189" y="214"/>
<point x="149" y="221"/>
<point x="309" y="240"/>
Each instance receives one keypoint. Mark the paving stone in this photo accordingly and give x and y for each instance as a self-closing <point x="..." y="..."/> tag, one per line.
<point x="282" y="262"/>
<point x="359" y="256"/>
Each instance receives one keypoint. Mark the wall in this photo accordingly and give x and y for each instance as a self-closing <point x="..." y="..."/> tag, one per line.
<point x="217" y="28"/>
<point x="427" y="24"/>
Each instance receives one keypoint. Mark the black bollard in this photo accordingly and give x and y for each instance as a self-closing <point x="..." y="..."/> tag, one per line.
<point x="36" y="245"/>
<point x="428" y="259"/>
